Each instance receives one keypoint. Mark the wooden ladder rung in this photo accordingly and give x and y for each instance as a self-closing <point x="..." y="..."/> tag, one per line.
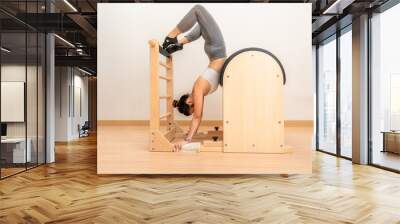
<point x="164" y="77"/>
<point x="165" y="97"/>
<point x="165" y="115"/>
<point x="164" y="65"/>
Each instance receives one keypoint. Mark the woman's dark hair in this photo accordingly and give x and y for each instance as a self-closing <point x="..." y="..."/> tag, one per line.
<point x="182" y="106"/>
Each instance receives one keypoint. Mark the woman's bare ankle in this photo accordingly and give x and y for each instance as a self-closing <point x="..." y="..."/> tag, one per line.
<point x="183" y="40"/>
<point x="174" y="33"/>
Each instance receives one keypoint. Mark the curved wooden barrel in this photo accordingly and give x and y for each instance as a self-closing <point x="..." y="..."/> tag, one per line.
<point x="221" y="81"/>
<point x="253" y="117"/>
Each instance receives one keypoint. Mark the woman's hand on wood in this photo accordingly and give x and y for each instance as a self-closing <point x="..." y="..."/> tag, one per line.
<point x="178" y="145"/>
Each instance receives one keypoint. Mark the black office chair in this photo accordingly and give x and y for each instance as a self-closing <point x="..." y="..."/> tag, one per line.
<point x="84" y="130"/>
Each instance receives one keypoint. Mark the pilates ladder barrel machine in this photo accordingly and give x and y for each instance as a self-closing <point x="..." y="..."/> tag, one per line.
<point x="253" y="122"/>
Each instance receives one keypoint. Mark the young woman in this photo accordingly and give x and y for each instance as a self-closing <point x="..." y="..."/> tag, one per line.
<point x="207" y="82"/>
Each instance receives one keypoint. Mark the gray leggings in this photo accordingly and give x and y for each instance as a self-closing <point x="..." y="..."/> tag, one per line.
<point x="206" y="27"/>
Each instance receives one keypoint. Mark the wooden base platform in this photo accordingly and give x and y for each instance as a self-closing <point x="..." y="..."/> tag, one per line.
<point x="124" y="149"/>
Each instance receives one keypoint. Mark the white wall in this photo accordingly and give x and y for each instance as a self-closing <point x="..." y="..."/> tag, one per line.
<point x="80" y="83"/>
<point x="62" y="81"/>
<point x="16" y="72"/>
<point x="13" y="79"/>
<point x="66" y="121"/>
<point x="123" y="54"/>
<point x="33" y="127"/>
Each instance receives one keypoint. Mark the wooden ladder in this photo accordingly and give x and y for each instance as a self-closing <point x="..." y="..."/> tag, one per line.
<point x="161" y="141"/>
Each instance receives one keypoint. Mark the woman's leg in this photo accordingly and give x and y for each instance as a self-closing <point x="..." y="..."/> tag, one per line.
<point x="183" y="40"/>
<point x="198" y="14"/>
<point x="206" y="27"/>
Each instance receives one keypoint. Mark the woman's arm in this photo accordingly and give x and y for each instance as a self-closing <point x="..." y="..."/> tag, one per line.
<point x="198" y="99"/>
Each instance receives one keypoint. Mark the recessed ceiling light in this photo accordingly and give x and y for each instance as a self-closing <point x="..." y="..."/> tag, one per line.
<point x="338" y="6"/>
<point x="64" y="40"/>
<point x="5" y="50"/>
<point x="70" y="5"/>
<point x="84" y="71"/>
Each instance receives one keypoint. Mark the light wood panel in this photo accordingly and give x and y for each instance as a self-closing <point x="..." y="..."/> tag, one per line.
<point x="124" y="149"/>
<point x="253" y="104"/>
<point x="219" y="123"/>
<point x="170" y="92"/>
<point x="70" y="191"/>
<point x="154" y="87"/>
<point x="211" y="146"/>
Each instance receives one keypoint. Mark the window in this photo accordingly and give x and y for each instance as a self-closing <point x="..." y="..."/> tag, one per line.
<point x="346" y="93"/>
<point x="22" y="76"/>
<point x="327" y="96"/>
<point x="385" y="89"/>
<point x="395" y="102"/>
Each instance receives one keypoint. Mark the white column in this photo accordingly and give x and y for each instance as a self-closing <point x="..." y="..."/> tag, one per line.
<point x="50" y="100"/>
<point x="360" y="90"/>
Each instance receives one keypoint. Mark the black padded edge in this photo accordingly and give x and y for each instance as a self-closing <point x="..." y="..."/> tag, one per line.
<point x="163" y="52"/>
<point x="250" y="49"/>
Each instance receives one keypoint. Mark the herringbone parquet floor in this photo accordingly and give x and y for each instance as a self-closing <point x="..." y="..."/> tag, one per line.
<point x="69" y="191"/>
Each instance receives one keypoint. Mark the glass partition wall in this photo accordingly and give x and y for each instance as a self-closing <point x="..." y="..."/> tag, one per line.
<point x="345" y="62"/>
<point x="385" y="90"/>
<point x="13" y="87"/>
<point x="334" y="105"/>
<point x="22" y="99"/>
<point x="327" y="95"/>
<point x="334" y="91"/>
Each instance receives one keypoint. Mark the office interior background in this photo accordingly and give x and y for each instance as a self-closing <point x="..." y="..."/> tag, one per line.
<point x="51" y="46"/>
<point x="334" y="90"/>
<point x="40" y="70"/>
<point x="48" y="80"/>
<point x="48" y="60"/>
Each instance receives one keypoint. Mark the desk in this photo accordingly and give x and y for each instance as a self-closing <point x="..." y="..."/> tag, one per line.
<point x="391" y="141"/>
<point x="15" y="148"/>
